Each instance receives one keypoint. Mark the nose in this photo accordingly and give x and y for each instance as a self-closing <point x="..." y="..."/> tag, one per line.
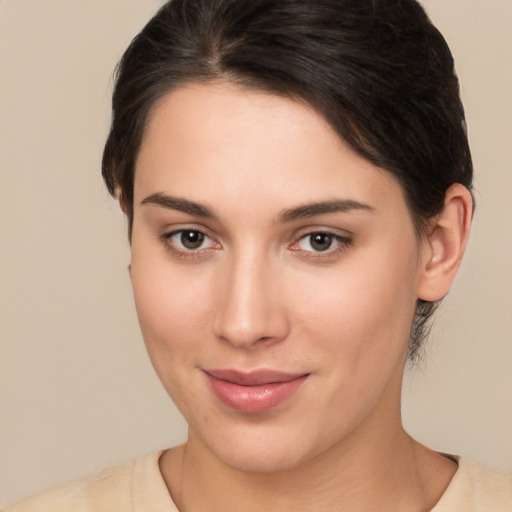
<point x="250" y="311"/>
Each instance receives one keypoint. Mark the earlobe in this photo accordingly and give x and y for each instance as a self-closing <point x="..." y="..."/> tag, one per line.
<point x="445" y="244"/>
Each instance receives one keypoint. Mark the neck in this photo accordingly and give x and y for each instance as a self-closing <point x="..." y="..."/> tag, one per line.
<point x="364" y="473"/>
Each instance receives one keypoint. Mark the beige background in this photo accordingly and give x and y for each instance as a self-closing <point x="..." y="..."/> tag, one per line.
<point x="76" y="389"/>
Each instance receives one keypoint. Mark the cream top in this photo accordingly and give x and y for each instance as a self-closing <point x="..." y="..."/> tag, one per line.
<point x="139" y="487"/>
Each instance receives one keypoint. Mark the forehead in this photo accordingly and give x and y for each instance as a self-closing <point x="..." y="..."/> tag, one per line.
<point x="209" y="112"/>
<point x="220" y="138"/>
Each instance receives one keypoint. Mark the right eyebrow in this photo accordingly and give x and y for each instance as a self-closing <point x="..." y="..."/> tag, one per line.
<point x="180" y="204"/>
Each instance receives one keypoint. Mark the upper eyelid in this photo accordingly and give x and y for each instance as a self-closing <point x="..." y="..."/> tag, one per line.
<point x="310" y="230"/>
<point x="172" y="230"/>
<point x="327" y="231"/>
<point x="341" y="238"/>
<point x="170" y="233"/>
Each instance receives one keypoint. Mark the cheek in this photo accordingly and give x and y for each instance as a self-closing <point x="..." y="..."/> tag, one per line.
<point x="358" y="328"/>
<point x="364" y="310"/>
<point x="173" y="322"/>
<point x="172" y="308"/>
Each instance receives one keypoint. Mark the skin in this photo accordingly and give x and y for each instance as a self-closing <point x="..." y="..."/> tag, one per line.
<point x="259" y="294"/>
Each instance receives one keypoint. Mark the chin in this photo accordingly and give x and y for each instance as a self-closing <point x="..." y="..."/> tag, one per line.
<point x="261" y="450"/>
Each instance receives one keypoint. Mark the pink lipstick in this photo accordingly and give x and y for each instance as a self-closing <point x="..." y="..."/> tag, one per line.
<point x="253" y="392"/>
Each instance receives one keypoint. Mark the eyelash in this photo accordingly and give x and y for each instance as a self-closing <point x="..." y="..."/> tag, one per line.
<point x="342" y="243"/>
<point x="167" y="240"/>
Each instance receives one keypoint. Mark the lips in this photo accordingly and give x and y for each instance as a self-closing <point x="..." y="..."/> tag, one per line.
<point x="253" y="392"/>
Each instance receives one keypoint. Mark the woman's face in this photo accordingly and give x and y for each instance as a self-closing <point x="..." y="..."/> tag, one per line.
<point x="275" y="275"/>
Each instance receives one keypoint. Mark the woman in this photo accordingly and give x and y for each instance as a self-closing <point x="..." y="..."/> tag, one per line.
<point x="297" y="182"/>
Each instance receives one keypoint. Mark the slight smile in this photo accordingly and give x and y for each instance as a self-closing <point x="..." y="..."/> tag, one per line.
<point x="254" y="392"/>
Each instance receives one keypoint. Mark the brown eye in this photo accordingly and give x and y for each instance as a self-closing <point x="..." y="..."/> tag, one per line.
<point x="187" y="241"/>
<point x="317" y="242"/>
<point x="321" y="241"/>
<point x="192" y="239"/>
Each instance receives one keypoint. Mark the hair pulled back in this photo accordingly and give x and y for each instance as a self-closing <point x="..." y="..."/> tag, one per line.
<point x="377" y="70"/>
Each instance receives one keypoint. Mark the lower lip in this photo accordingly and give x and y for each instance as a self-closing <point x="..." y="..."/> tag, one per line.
<point x="254" y="399"/>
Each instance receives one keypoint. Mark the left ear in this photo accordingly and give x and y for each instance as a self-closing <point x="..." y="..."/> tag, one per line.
<point x="444" y="247"/>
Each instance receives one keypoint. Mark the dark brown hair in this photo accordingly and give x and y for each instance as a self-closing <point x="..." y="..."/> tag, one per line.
<point x="377" y="70"/>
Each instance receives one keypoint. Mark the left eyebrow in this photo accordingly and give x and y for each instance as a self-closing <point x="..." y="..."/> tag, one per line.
<point x="313" y="209"/>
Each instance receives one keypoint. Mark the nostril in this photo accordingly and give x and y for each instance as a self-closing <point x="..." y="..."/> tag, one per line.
<point x="252" y="335"/>
<point x="248" y="311"/>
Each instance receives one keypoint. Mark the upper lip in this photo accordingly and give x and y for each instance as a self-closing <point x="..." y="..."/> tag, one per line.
<point x="253" y="378"/>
